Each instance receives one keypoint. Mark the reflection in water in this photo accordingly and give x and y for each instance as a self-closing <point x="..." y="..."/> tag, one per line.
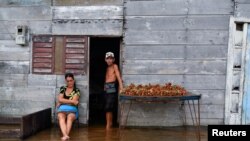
<point x="128" y="134"/>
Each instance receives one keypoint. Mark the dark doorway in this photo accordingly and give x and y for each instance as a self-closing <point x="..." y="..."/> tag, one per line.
<point x="98" y="47"/>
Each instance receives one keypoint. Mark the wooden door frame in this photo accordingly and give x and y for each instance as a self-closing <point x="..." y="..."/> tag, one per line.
<point x="235" y="98"/>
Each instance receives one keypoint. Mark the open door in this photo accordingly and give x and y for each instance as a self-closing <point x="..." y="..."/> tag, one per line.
<point x="98" y="48"/>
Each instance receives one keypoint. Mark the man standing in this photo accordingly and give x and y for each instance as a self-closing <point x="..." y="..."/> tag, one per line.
<point x="112" y="76"/>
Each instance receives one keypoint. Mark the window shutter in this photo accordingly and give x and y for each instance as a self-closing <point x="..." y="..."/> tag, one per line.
<point x="76" y="54"/>
<point x="43" y="54"/>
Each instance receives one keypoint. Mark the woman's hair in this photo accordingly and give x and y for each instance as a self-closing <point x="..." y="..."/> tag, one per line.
<point x="69" y="74"/>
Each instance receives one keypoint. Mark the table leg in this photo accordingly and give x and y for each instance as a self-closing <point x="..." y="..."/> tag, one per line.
<point x="122" y="112"/>
<point x="195" y="117"/>
<point x="183" y="111"/>
<point x="199" y="133"/>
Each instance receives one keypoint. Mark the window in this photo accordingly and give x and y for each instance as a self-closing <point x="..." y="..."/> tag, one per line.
<point x="59" y="54"/>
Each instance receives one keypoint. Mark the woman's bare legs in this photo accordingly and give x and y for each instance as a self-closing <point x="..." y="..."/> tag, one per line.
<point x="70" y="119"/>
<point x="63" y="126"/>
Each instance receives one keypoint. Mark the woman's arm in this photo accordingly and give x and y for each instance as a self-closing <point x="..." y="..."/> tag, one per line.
<point x="76" y="99"/>
<point x="62" y="100"/>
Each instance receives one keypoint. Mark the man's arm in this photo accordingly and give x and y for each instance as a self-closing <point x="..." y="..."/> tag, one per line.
<point x="118" y="76"/>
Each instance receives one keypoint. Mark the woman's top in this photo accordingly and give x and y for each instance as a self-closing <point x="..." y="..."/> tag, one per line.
<point x="74" y="92"/>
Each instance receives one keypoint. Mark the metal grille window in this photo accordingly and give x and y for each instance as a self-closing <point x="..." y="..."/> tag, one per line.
<point x="59" y="54"/>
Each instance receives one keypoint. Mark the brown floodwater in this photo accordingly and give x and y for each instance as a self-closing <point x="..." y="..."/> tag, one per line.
<point x="98" y="133"/>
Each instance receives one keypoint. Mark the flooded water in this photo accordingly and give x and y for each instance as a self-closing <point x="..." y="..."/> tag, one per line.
<point x="98" y="133"/>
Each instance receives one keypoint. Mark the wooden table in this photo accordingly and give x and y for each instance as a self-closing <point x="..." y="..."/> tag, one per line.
<point x="188" y="99"/>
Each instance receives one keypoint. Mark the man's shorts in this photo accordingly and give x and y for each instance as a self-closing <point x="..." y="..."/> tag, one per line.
<point x="110" y="96"/>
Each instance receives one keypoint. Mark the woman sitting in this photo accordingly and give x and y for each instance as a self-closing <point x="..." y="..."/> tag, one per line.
<point x="68" y="100"/>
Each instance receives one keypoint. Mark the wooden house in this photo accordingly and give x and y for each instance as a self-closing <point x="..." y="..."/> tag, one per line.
<point x="202" y="45"/>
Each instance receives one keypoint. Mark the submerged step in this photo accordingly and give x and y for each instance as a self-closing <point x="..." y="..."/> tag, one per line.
<point x="10" y="131"/>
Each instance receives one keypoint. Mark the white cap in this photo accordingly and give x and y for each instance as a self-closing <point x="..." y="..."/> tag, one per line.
<point x="109" y="54"/>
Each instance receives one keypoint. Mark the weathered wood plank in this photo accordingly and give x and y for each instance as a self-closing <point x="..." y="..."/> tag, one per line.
<point x="153" y="8"/>
<point x="14" y="56"/>
<point x="242" y="1"/>
<point x="207" y="111"/>
<point x="42" y="80"/>
<point x="83" y="110"/>
<point x="155" y="37"/>
<point x="75" y="50"/>
<point x="211" y="37"/>
<point x="209" y="121"/>
<point x="42" y="65"/>
<point x="84" y="120"/>
<point x="154" y="52"/>
<point x="169" y="110"/>
<point x="211" y="7"/>
<point x="11" y="46"/>
<point x="13" y="80"/>
<point x="42" y="70"/>
<point x="210" y="97"/>
<point x="155" y="23"/>
<point x="5" y="3"/>
<point x="205" y="82"/>
<point x="87" y="27"/>
<point x="26" y="13"/>
<point x="243" y="10"/>
<point x="152" y="79"/>
<point x="86" y="2"/>
<point x="77" y="61"/>
<point x="141" y="67"/>
<point x="208" y="37"/>
<point x="23" y="106"/>
<point x="43" y="39"/>
<point x="27" y="93"/>
<point x="35" y="26"/>
<point x="206" y="52"/>
<point x="178" y="7"/>
<point x="166" y="122"/>
<point x="76" y="40"/>
<point x="169" y="115"/>
<point x="175" y="52"/>
<point x="88" y="12"/>
<point x="42" y="49"/>
<point x="84" y="97"/>
<point x="7" y="36"/>
<point x="81" y="81"/>
<point x="42" y="45"/>
<point x="75" y="71"/>
<point x="9" y="119"/>
<point x="177" y="22"/>
<point x="14" y="67"/>
<point x="10" y="133"/>
<point x="196" y="82"/>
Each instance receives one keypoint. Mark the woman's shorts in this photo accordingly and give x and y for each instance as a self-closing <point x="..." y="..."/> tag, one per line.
<point x="68" y="109"/>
